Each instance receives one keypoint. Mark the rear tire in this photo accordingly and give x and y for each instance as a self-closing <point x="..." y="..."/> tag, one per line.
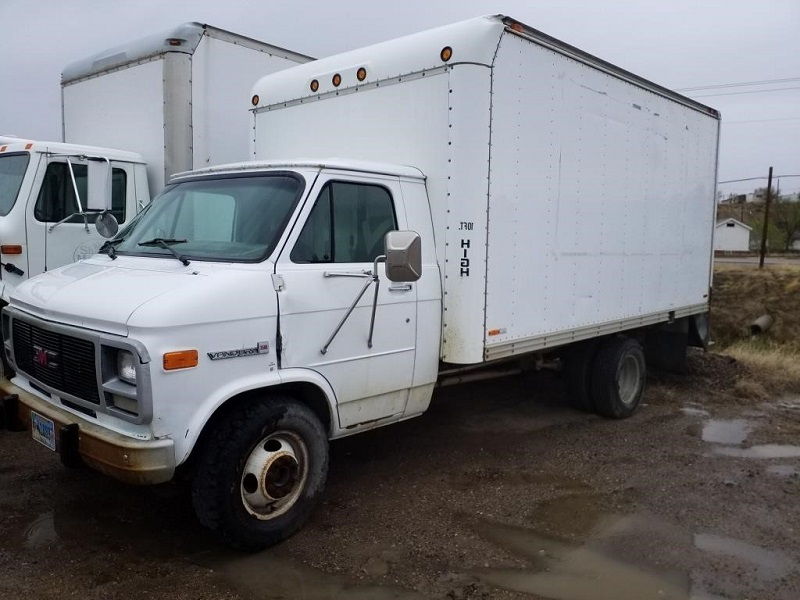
<point x="578" y="362"/>
<point x="618" y="377"/>
<point x="261" y="473"/>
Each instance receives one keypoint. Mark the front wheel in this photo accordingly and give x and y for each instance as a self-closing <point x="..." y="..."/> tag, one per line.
<point x="261" y="473"/>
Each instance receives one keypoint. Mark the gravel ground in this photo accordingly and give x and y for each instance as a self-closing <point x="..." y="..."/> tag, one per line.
<point x="499" y="491"/>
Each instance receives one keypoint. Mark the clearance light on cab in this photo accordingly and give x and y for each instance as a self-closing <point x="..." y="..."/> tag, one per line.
<point x="254" y="100"/>
<point x="361" y="74"/>
<point x="446" y="53"/>
<point x="182" y="359"/>
<point x="336" y="80"/>
<point x="10" y="249"/>
<point x="314" y="85"/>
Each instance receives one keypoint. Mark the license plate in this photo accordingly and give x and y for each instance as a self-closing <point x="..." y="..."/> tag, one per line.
<point x="43" y="430"/>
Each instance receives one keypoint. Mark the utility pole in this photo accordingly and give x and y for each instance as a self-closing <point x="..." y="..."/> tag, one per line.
<point x="766" y="221"/>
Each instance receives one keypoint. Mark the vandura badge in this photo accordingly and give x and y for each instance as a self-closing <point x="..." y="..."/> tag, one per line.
<point x="260" y="348"/>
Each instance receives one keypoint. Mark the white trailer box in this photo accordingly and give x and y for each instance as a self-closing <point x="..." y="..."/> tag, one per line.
<point x="570" y="198"/>
<point x="179" y="98"/>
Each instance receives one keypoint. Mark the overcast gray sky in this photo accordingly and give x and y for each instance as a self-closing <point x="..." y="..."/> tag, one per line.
<point x="677" y="43"/>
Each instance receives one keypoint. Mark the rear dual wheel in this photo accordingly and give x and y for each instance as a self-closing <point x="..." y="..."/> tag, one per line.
<point x="607" y="377"/>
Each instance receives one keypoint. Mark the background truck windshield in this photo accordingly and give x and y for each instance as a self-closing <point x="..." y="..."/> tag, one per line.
<point x="229" y="219"/>
<point x="12" y="170"/>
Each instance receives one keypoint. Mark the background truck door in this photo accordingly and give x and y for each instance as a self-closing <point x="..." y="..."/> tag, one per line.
<point x="55" y="200"/>
<point x="339" y="233"/>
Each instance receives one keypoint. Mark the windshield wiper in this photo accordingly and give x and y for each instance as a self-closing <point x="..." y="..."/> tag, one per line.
<point x="109" y="247"/>
<point x="166" y="243"/>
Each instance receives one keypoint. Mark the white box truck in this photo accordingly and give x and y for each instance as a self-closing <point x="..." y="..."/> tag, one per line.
<point x="498" y="195"/>
<point x="176" y="100"/>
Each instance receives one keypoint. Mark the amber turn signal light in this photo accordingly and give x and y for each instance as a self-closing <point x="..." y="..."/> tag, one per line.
<point x="11" y="249"/>
<point x="183" y="359"/>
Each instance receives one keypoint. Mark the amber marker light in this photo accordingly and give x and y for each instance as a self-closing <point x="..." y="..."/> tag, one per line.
<point x="314" y="85"/>
<point x="446" y="53"/>
<point x="10" y="249"/>
<point x="254" y="100"/>
<point x="361" y="74"/>
<point x="182" y="359"/>
<point x="336" y="80"/>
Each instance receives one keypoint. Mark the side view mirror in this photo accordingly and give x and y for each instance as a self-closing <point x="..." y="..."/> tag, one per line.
<point x="403" y="250"/>
<point x="106" y="225"/>
<point x="99" y="180"/>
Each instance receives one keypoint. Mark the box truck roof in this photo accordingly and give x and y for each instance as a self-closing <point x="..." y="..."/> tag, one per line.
<point x="315" y="163"/>
<point x="473" y="41"/>
<point x="183" y="39"/>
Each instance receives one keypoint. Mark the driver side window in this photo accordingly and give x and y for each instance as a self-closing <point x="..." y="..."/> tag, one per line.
<point x="346" y="225"/>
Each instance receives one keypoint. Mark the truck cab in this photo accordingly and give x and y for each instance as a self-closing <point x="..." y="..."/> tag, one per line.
<point x="41" y="225"/>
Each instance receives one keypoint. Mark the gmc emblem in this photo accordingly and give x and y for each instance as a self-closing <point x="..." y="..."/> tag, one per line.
<point x="42" y="357"/>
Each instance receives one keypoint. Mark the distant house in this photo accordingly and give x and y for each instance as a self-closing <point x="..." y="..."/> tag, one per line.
<point x="731" y="235"/>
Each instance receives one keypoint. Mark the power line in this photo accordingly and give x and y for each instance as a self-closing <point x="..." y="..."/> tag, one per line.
<point x="740" y="84"/>
<point x="749" y="92"/>
<point x="755" y="178"/>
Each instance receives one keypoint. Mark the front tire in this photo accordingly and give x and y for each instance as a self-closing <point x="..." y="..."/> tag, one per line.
<point x="618" y="377"/>
<point x="261" y="473"/>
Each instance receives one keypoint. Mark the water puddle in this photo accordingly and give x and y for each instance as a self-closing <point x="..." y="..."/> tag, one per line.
<point x="768" y="564"/>
<point x="695" y="412"/>
<point x="730" y="432"/>
<point x="762" y="451"/>
<point x="268" y="576"/>
<point x="783" y="470"/>
<point x="564" y="571"/>
<point x="41" y="532"/>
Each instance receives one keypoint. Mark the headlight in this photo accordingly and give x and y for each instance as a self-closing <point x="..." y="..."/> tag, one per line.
<point x="126" y="366"/>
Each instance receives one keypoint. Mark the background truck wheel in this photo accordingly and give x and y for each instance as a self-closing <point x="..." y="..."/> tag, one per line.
<point x="261" y="473"/>
<point x="578" y="361"/>
<point x="618" y="377"/>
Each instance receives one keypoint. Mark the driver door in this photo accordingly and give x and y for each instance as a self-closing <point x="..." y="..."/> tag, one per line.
<point x="70" y="241"/>
<point x="335" y="241"/>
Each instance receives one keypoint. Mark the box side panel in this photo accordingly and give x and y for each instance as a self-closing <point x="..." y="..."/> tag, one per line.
<point x="223" y="77"/>
<point x="601" y="198"/>
<point x="123" y="109"/>
<point x="467" y="189"/>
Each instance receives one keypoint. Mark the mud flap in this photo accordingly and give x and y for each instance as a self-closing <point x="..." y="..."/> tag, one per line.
<point x="665" y="346"/>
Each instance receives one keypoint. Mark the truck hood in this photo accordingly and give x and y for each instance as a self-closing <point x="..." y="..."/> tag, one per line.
<point x="104" y="295"/>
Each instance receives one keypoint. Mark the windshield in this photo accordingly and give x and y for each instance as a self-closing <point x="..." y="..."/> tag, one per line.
<point x="12" y="170"/>
<point x="231" y="219"/>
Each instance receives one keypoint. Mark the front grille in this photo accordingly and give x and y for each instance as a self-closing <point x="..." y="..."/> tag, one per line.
<point x="62" y="362"/>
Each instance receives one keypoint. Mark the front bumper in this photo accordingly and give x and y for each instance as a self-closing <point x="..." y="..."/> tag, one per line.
<point x="141" y="462"/>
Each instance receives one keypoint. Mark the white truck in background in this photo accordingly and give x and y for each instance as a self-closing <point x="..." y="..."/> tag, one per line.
<point x="499" y="196"/>
<point x="174" y="101"/>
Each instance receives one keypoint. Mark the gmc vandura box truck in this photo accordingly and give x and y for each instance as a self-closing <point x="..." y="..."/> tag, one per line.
<point x="498" y="196"/>
<point x="178" y="99"/>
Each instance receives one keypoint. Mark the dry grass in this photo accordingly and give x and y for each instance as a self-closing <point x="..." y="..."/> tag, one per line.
<point x="770" y="364"/>
<point x="744" y="293"/>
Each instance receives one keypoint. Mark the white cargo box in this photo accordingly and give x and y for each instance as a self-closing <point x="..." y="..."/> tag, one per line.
<point x="570" y="198"/>
<point x="179" y="98"/>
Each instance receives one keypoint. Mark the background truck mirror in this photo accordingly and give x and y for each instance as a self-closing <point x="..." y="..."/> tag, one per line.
<point x="99" y="188"/>
<point x="403" y="250"/>
<point x="106" y="225"/>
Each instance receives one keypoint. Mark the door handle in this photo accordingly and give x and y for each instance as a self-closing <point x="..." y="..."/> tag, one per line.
<point x="403" y="287"/>
<point x="347" y="274"/>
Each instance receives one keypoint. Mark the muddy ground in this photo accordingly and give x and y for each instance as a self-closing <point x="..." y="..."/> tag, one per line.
<point x="501" y="490"/>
